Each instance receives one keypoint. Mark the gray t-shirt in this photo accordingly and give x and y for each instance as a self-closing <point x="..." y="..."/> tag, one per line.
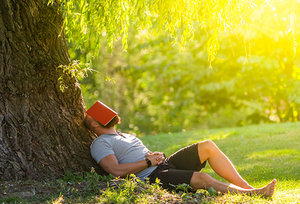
<point x="125" y="147"/>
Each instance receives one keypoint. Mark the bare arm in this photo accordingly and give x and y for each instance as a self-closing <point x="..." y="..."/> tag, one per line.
<point x="111" y="165"/>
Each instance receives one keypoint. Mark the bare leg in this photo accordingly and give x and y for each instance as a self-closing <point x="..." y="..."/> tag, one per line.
<point x="219" y="162"/>
<point x="204" y="181"/>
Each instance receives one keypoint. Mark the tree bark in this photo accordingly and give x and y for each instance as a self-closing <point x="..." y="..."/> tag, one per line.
<point x="41" y="130"/>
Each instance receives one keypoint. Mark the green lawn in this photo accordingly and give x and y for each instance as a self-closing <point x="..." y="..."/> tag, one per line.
<point x="259" y="152"/>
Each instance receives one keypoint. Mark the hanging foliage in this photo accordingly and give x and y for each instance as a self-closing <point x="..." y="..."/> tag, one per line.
<point x="86" y="22"/>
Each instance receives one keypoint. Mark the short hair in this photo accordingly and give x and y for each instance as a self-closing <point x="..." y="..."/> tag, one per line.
<point x="116" y="120"/>
<point x="89" y="119"/>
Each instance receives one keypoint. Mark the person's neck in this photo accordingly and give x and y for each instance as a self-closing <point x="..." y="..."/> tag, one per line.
<point x="101" y="131"/>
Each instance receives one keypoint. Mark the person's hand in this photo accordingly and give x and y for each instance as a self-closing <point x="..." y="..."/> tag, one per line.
<point x="161" y="156"/>
<point x="156" y="158"/>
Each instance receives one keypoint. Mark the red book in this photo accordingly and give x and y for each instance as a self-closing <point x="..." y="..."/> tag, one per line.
<point x="101" y="113"/>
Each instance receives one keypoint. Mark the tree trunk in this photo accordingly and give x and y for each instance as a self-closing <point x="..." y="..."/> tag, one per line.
<point x="41" y="131"/>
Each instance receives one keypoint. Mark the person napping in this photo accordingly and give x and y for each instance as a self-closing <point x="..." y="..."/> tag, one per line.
<point x="122" y="154"/>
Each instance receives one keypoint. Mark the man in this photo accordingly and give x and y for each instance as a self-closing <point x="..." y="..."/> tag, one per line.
<point x="123" y="154"/>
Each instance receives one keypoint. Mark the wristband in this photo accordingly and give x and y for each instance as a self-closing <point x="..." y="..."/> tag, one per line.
<point x="148" y="162"/>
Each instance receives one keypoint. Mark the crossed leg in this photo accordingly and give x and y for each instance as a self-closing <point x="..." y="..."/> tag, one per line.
<point x="219" y="162"/>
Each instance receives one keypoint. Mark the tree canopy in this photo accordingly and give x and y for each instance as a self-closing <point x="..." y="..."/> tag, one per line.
<point x="89" y="21"/>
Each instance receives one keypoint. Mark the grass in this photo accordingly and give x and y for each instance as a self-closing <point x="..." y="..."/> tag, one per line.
<point x="260" y="153"/>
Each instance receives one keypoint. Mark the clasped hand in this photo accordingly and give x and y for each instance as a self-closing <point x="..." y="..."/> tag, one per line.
<point x="156" y="158"/>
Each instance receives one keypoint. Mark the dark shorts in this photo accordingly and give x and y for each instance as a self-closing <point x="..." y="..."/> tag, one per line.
<point x="178" y="168"/>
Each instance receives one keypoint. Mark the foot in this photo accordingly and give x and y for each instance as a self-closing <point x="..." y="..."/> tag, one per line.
<point x="246" y="186"/>
<point x="268" y="190"/>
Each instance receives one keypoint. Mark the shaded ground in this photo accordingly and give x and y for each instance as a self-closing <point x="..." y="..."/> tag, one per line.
<point x="66" y="191"/>
<point x="36" y="189"/>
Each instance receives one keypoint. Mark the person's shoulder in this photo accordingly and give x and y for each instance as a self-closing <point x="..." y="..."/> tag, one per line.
<point x="102" y="143"/>
<point x="99" y="139"/>
<point x="95" y="140"/>
<point x="127" y="134"/>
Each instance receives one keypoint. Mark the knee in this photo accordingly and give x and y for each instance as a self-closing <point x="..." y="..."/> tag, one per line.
<point x="200" y="180"/>
<point x="207" y="149"/>
<point x="208" y="145"/>
<point x="201" y="176"/>
<point x="208" y="142"/>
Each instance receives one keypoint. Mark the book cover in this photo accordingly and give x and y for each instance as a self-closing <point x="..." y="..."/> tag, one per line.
<point x="101" y="112"/>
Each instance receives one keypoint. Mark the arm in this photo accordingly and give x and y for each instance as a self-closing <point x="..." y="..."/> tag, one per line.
<point x="111" y="165"/>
